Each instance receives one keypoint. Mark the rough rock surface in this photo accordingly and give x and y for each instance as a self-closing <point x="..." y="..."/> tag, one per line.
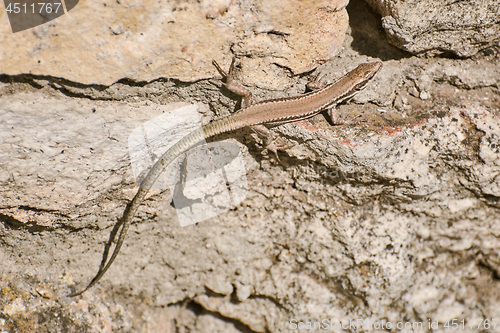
<point x="101" y="42"/>
<point x="435" y="27"/>
<point x="391" y="216"/>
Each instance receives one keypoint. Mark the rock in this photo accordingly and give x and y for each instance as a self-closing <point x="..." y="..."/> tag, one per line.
<point x="441" y="27"/>
<point x="394" y="218"/>
<point x="100" y="43"/>
<point x="390" y="216"/>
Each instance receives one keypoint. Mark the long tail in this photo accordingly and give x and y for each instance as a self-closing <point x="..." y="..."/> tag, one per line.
<point x="215" y="127"/>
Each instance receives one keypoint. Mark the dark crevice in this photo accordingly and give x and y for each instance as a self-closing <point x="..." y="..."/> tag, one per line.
<point x="41" y="210"/>
<point x="487" y="264"/>
<point x="198" y="309"/>
<point x="447" y="54"/>
<point x="369" y="38"/>
<point x="15" y="224"/>
<point x="67" y="87"/>
<point x="33" y="227"/>
<point x="31" y="80"/>
<point x="272" y="300"/>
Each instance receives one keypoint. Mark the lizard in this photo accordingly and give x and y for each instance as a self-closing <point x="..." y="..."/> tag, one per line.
<point x="268" y="112"/>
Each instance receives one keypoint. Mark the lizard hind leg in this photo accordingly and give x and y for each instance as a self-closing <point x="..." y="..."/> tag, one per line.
<point x="272" y="141"/>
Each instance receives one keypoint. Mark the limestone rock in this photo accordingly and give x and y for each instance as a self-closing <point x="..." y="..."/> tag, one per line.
<point x="434" y="27"/>
<point x="101" y="42"/>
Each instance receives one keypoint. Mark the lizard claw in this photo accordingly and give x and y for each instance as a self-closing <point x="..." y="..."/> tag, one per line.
<point x="278" y="144"/>
<point x="227" y="77"/>
<point x="272" y="141"/>
<point x="219" y="69"/>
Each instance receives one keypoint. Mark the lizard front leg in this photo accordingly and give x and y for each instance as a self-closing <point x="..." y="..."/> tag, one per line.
<point x="329" y="114"/>
<point x="233" y="86"/>
<point x="272" y="141"/>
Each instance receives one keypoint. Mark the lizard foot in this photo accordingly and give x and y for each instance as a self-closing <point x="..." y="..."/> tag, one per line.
<point x="272" y="141"/>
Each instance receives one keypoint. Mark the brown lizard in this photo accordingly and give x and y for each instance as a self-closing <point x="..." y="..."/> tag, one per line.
<point x="270" y="112"/>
